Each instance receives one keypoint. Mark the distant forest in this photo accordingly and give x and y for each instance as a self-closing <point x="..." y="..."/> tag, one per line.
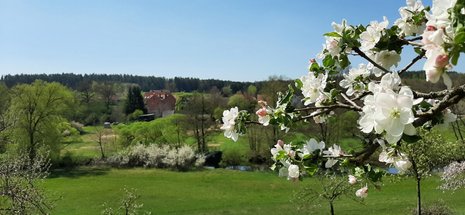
<point x="180" y="84"/>
<point x="146" y="83"/>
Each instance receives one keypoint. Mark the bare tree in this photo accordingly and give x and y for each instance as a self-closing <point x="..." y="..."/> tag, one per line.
<point x="100" y="133"/>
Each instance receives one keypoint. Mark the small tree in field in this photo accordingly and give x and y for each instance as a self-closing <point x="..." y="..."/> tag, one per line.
<point x="129" y="205"/>
<point x="389" y="111"/>
<point x="100" y="133"/>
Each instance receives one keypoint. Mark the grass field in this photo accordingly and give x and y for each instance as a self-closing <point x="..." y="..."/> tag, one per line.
<point x="84" y="190"/>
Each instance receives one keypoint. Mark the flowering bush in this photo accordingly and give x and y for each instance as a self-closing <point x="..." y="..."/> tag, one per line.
<point x="453" y="176"/>
<point x="390" y="112"/>
<point x="164" y="156"/>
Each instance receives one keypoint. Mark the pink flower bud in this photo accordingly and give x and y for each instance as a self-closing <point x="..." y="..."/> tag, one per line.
<point x="442" y="61"/>
<point x="431" y="28"/>
<point x="261" y="112"/>
<point x="262" y="103"/>
<point x="280" y="143"/>
<point x="362" y="192"/>
<point x="312" y="60"/>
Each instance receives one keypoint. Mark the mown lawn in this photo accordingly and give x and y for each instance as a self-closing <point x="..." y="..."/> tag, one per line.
<point x="84" y="190"/>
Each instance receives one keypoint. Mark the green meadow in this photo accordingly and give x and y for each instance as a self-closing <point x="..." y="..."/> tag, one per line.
<point x="219" y="191"/>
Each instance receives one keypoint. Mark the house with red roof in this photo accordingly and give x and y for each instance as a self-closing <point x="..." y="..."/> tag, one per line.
<point x="160" y="103"/>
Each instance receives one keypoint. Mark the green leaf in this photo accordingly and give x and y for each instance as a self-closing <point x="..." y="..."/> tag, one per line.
<point x="460" y="37"/>
<point x="375" y="175"/>
<point x="299" y="84"/>
<point x="332" y="34"/>
<point x="454" y="57"/>
<point x="314" y="67"/>
<point x="311" y="169"/>
<point x="344" y="61"/>
<point x="418" y="50"/>
<point x="328" y="61"/>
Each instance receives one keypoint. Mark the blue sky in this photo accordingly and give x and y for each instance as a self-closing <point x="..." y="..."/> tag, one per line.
<point x="244" y="40"/>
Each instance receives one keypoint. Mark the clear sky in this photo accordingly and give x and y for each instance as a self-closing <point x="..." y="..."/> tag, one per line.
<point x="244" y="40"/>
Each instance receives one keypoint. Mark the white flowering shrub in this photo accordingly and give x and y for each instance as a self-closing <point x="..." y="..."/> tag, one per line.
<point x="454" y="176"/>
<point x="155" y="155"/>
<point x="390" y="112"/>
<point x="158" y="156"/>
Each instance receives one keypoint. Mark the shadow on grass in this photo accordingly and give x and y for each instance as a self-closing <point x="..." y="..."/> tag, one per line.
<point x="79" y="172"/>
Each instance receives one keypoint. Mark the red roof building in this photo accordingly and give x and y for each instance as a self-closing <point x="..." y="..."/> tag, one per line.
<point x="159" y="102"/>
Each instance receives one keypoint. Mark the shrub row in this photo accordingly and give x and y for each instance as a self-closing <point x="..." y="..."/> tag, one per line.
<point x="158" y="156"/>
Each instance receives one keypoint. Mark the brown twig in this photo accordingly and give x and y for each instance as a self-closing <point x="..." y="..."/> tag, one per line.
<point x="414" y="39"/>
<point x="350" y="101"/>
<point x="362" y="54"/>
<point x="430" y="95"/>
<point x="414" y="60"/>
<point x="451" y="98"/>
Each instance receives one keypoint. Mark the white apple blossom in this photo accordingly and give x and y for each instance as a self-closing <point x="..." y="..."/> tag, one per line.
<point x="393" y="113"/>
<point x="369" y="39"/>
<point x="313" y="86"/>
<point x="438" y="32"/>
<point x="380" y="26"/>
<point x="229" y="122"/>
<point x="400" y="161"/>
<point x="330" y="163"/>
<point x="322" y="118"/>
<point x="352" y="179"/>
<point x="332" y="43"/>
<point x="311" y="146"/>
<point x="402" y="165"/>
<point x="362" y="192"/>
<point x="383" y="110"/>
<point x="449" y="116"/>
<point x="367" y="119"/>
<point x="462" y="11"/>
<point x="433" y="37"/>
<point x="293" y="172"/>
<point x="385" y="157"/>
<point x="406" y="13"/>
<point x="263" y="116"/>
<point x="283" y="171"/>
<point x="372" y="35"/>
<point x="339" y="28"/>
<point x="353" y="81"/>
<point x="281" y="147"/>
<point x="334" y="151"/>
<point x="437" y="61"/>
<point x="439" y="16"/>
<point x="385" y="59"/>
<point x="390" y="81"/>
<point x="388" y="111"/>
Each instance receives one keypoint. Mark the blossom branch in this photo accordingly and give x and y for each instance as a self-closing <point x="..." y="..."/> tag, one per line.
<point x="416" y="59"/>
<point x="350" y="101"/>
<point x="331" y="107"/>
<point x="326" y="109"/>
<point x="431" y="95"/>
<point x="453" y="97"/>
<point x="414" y="39"/>
<point x="362" y="54"/>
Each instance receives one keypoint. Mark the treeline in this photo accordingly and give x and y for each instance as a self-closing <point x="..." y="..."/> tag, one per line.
<point x="417" y="81"/>
<point x="146" y="83"/>
<point x="177" y="84"/>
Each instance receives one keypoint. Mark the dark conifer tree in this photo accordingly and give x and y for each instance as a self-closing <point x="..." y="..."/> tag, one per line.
<point x="134" y="100"/>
